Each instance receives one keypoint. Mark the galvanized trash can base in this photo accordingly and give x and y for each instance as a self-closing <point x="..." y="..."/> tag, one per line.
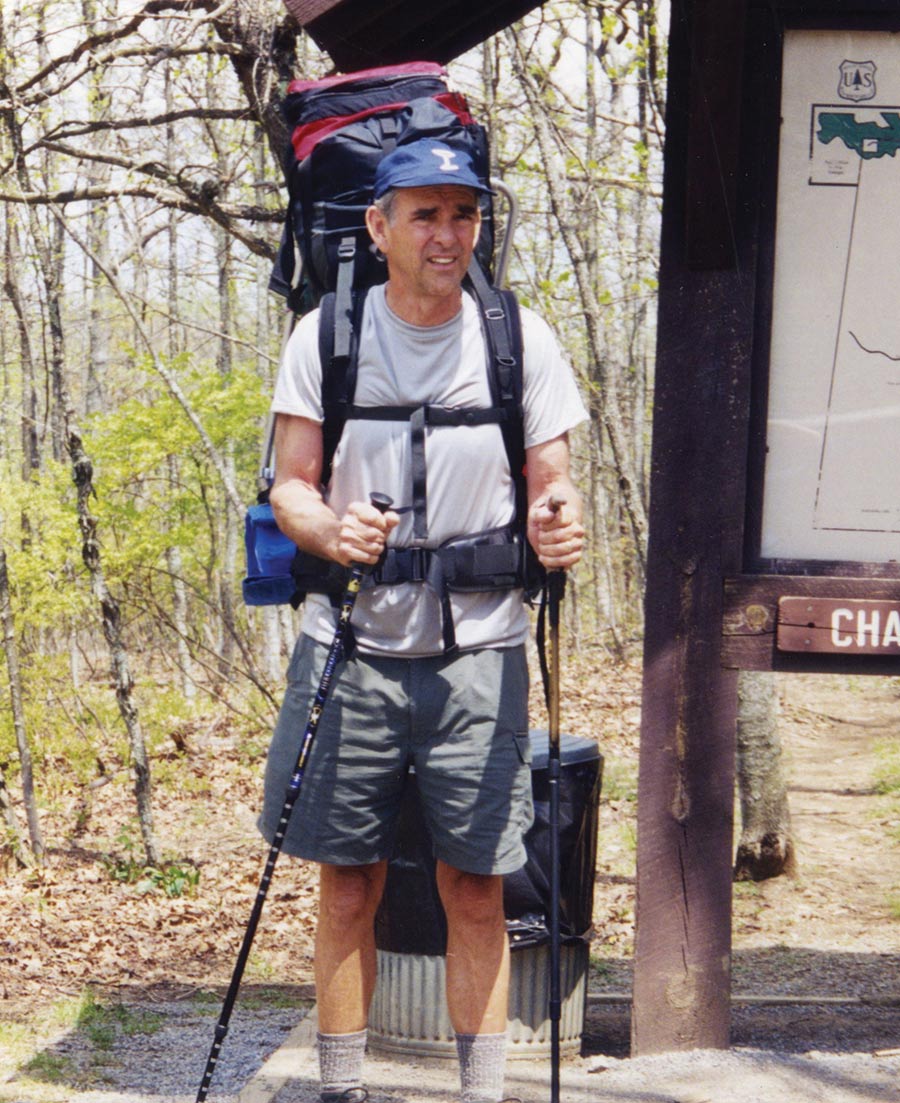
<point x="409" y="1008"/>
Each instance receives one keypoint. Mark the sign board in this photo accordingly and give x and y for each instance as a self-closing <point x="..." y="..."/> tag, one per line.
<point x="832" y="482"/>
<point x="836" y="626"/>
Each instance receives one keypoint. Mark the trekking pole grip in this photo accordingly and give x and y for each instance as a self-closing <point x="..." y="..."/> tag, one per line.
<point x="556" y="579"/>
<point x="382" y="502"/>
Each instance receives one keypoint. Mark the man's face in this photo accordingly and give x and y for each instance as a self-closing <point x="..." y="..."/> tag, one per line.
<point x="428" y="240"/>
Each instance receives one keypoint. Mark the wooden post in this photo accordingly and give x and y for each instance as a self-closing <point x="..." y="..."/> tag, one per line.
<point x="686" y="779"/>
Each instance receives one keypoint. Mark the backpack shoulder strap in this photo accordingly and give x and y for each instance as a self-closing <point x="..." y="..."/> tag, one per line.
<point x="340" y="314"/>
<point x="503" y="333"/>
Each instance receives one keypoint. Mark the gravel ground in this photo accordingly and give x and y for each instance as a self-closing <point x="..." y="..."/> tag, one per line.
<point x="164" y="1065"/>
<point x="781" y="1054"/>
<point x="702" y="1076"/>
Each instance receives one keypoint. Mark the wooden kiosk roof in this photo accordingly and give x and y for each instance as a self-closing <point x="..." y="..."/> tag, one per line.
<point x="358" y="34"/>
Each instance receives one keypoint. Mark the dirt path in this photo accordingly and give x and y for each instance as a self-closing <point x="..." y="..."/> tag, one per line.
<point x="839" y="904"/>
<point x="830" y="931"/>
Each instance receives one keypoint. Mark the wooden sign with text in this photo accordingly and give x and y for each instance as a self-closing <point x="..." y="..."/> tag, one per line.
<point x="838" y="626"/>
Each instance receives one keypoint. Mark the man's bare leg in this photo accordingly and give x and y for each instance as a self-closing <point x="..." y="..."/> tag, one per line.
<point x="477" y="950"/>
<point x="345" y="944"/>
<point x="345" y="970"/>
<point x="477" y="978"/>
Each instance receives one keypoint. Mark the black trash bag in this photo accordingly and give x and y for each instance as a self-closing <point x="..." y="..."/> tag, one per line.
<point x="411" y="919"/>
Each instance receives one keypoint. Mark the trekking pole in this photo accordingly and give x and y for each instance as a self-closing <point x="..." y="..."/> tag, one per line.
<point x="556" y="584"/>
<point x="381" y="502"/>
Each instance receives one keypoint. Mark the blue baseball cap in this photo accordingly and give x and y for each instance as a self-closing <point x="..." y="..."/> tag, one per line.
<point x="426" y="163"/>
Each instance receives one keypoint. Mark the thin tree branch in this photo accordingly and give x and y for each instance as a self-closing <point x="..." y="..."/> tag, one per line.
<point x="157" y="51"/>
<point x="223" y="216"/>
<point x="151" y="10"/>
<point x="174" y="388"/>
<point x="74" y="129"/>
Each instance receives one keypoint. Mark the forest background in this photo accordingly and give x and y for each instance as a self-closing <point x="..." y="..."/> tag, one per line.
<point x="142" y="196"/>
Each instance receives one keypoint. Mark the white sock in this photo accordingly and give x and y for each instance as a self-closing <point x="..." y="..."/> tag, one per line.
<point x="482" y="1064"/>
<point x="341" y="1061"/>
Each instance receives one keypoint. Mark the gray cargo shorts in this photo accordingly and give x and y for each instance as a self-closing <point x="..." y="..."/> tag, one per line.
<point x="461" y="722"/>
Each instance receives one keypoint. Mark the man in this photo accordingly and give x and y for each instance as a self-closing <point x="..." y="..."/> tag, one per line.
<point x="460" y="718"/>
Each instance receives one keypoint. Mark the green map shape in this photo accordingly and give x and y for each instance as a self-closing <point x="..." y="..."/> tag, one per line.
<point x="844" y="126"/>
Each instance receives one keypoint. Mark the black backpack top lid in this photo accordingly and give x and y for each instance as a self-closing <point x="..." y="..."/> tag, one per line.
<point x="316" y="108"/>
<point x="343" y="126"/>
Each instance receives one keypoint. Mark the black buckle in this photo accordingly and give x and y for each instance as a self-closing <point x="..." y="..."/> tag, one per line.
<point x="403" y="565"/>
<point x="419" y="559"/>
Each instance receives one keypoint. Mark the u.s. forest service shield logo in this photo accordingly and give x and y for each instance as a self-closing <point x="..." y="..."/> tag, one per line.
<point x="857" y="81"/>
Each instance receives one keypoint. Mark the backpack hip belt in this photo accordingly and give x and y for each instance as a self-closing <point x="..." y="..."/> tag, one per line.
<point x="493" y="560"/>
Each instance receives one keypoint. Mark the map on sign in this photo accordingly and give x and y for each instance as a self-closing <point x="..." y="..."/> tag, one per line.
<point x="832" y="480"/>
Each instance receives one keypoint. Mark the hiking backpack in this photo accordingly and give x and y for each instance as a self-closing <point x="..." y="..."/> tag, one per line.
<point x="341" y="128"/>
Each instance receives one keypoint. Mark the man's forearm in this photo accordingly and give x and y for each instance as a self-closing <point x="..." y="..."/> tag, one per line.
<point x="303" y="515"/>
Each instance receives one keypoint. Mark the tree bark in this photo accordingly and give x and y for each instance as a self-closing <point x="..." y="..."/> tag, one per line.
<point x="48" y="249"/>
<point x="766" y="847"/>
<point x="112" y="632"/>
<point x="230" y="519"/>
<point x="266" y="59"/>
<point x="173" y="333"/>
<point x="29" y="418"/>
<point x="14" y="838"/>
<point x="98" y="174"/>
<point x="17" y="704"/>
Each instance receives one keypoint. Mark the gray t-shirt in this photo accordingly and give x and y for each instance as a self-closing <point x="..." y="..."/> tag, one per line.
<point x="470" y="487"/>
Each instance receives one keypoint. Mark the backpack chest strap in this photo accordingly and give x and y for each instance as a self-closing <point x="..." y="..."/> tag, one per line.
<point x="432" y="415"/>
<point x="421" y="418"/>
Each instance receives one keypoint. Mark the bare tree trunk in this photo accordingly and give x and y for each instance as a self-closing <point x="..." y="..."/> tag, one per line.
<point x="766" y="846"/>
<point x="224" y="363"/>
<point x="271" y="663"/>
<point x="50" y="266"/>
<point x="29" y="400"/>
<point x="17" y="703"/>
<point x="30" y="465"/>
<point x="97" y="360"/>
<point x="173" y="552"/>
<point x="14" y="838"/>
<point x="180" y="605"/>
<point x="112" y="631"/>
<point x="230" y="519"/>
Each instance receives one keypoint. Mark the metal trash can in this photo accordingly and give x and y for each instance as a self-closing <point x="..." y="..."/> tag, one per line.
<point x="409" y="1008"/>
